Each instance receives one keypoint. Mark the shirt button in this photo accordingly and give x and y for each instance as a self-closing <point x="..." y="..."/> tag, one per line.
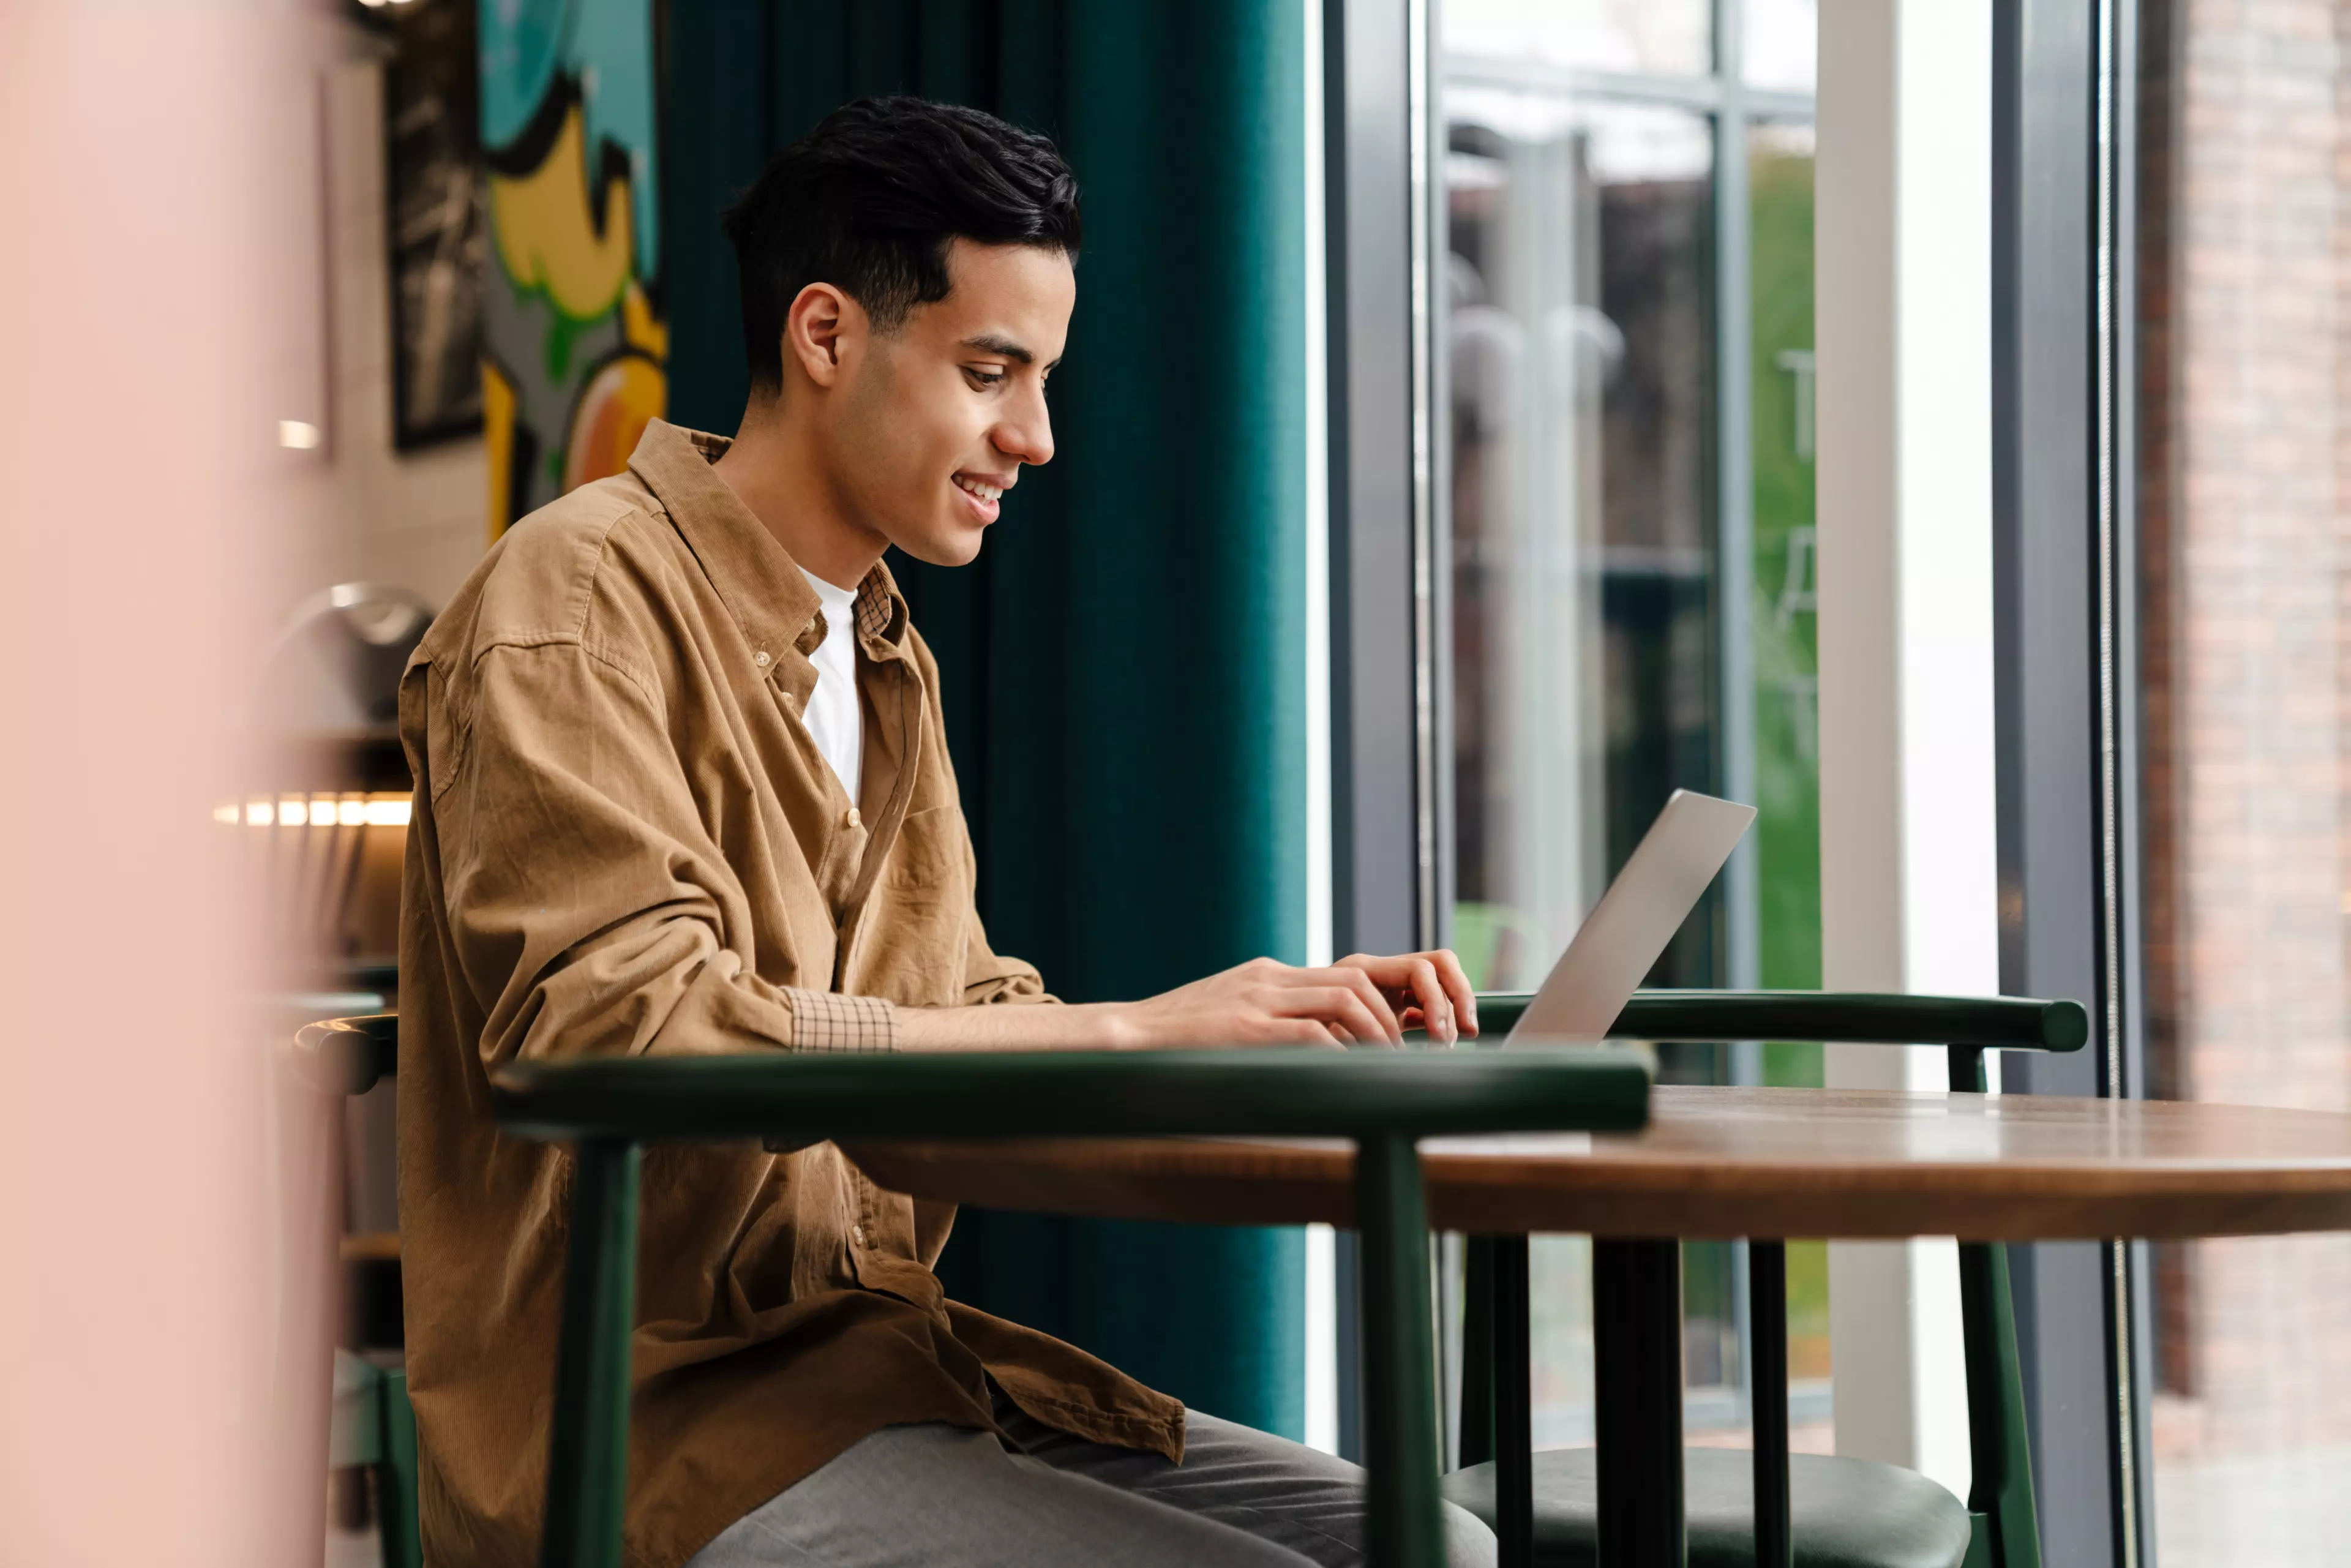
<point x="857" y="1234"/>
<point x="853" y="820"/>
<point x="760" y="658"/>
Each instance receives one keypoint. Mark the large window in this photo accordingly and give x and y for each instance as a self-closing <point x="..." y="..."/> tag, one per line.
<point x="1625" y="350"/>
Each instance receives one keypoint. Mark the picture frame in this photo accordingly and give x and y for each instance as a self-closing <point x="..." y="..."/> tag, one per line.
<point x="436" y="225"/>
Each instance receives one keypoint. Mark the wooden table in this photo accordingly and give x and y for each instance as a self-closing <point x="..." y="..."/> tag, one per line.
<point x="1717" y="1163"/>
<point x="1845" y="1163"/>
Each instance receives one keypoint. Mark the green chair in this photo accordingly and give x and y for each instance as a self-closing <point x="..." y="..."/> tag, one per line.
<point x="1384" y="1101"/>
<point x="1772" y="1508"/>
<point x="373" y="1427"/>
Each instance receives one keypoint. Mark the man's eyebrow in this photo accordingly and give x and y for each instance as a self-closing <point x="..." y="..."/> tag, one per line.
<point x="989" y="343"/>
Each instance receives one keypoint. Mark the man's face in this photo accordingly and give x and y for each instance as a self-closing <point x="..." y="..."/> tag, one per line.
<point x="936" y="419"/>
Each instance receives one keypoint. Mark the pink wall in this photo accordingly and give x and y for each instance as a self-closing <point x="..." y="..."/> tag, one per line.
<point x="163" y="1331"/>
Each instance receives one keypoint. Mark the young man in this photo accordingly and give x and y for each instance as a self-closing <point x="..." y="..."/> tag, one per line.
<point x="681" y="786"/>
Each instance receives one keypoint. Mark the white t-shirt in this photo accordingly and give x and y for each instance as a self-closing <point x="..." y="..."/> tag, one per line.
<point x="834" y="720"/>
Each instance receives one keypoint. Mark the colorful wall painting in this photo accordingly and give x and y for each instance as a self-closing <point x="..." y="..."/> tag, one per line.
<point x="575" y="346"/>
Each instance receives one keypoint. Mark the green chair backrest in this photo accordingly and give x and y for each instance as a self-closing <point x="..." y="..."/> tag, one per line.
<point x="2000" y="1496"/>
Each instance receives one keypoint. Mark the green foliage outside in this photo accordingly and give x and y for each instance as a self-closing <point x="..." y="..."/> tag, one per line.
<point x="1787" y="746"/>
<point x="1787" y="735"/>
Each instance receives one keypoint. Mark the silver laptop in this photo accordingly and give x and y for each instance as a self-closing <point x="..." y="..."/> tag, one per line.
<point x="1676" y="858"/>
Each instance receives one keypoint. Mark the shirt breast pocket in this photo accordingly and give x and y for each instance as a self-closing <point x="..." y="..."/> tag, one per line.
<point x="920" y="914"/>
<point x="926" y="863"/>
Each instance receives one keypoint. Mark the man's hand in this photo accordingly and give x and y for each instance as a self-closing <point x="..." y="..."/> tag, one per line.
<point x="1426" y="990"/>
<point x="1262" y="1002"/>
<point x="1360" y="1000"/>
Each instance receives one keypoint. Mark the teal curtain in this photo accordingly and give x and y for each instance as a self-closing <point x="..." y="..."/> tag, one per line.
<point x="1125" y="665"/>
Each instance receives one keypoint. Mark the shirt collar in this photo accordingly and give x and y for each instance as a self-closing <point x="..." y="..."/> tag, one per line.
<point x="755" y="576"/>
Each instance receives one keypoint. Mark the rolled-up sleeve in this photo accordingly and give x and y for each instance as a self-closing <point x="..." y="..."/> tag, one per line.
<point x="592" y="911"/>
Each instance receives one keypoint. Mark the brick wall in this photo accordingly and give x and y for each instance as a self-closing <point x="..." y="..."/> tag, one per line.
<point x="2245" y="444"/>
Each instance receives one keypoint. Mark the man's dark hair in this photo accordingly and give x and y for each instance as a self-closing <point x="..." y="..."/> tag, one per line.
<point x="869" y="200"/>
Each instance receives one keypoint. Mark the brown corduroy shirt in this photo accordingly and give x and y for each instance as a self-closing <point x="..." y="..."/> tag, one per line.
<point x="625" y="842"/>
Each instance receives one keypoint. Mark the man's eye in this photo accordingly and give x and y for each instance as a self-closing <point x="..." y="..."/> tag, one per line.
<point x="984" y="378"/>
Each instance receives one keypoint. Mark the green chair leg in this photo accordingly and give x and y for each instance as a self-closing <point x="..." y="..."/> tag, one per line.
<point x="355" y="1426"/>
<point x="1514" y="1415"/>
<point x="1767" y="1315"/>
<point x="396" y="1503"/>
<point x="1637" y="1395"/>
<point x="1478" y="1376"/>
<point x="1405" y="1525"/>
<point x="587" y="1462"/>
<point x="1999" y="1444"/>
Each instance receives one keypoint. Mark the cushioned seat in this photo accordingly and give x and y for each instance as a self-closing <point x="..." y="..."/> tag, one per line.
<point x="1847" y="1513"/>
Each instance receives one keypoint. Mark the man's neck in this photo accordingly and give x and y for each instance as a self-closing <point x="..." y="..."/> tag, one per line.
<point x="774" y="470"/>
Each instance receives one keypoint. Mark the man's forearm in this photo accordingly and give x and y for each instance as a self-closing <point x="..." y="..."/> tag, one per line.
<point x="1095" y="1026"/>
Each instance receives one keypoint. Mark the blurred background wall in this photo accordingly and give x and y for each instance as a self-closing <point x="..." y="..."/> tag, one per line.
<point x="403" y="244"/>
<point x="162" y="1322"/>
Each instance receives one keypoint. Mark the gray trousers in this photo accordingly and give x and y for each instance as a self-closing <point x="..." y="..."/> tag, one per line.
<point x="916" y="1497"/>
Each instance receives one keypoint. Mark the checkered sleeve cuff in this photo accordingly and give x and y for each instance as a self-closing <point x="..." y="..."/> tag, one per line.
<point x="827" y="1021"/>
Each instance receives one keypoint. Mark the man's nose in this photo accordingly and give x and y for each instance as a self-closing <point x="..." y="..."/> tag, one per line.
<point x="1027" y="437"/>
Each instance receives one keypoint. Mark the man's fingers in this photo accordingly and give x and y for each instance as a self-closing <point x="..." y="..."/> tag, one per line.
<point x="1433" y="980"/>
<point x="1410" y="980"/>
<point x="1385" y="988"/>
<point x="1457" y="987"/>
<point x="1375" y="1000"/>
<point x="1369" y="1021"/>
<point x="1435" y="1005"/>
<point x="1338" y="1004"/>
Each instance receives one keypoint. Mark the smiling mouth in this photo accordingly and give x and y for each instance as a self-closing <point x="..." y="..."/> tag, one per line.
<point x="974" y="487"/>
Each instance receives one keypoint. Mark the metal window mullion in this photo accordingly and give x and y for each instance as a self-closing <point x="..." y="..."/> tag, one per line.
<point x="1734" y="575"/>
<point x="1420" y="126"/>
<point x="1436" y="138"/>
<point x="2130" y="1349"/>
<point x="1375" y="743"/>
<point x="1433" y="616"/>
<point x="1734" y="351"/>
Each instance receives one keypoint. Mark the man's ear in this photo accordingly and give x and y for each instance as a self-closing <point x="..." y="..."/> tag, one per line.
<point x="822" y="327"/>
